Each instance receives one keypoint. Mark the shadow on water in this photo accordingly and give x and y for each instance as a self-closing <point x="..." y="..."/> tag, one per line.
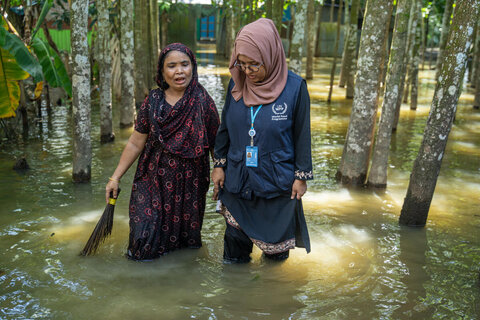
<point x="363" y="265"/>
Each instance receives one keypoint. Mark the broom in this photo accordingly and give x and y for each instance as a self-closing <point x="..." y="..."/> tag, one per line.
<point x="103" y="228"/>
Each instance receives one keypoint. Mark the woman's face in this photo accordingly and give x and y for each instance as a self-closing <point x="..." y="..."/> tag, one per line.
<point x="254" y="76"/>
<point x="177" y="70"/>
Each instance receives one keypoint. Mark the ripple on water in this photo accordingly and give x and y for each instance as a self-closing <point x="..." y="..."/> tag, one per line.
<point x="22" y="305"/>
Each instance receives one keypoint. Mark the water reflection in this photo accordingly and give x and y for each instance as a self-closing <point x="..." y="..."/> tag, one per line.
<point x="362" y="264"/>
<point x="413" y="249"/>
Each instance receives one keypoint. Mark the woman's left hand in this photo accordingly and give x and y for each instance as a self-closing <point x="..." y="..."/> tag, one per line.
<point x="298" y="189"/>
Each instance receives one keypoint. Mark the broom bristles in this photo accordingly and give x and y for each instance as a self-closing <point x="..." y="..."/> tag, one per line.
<point x="102" y="230"/>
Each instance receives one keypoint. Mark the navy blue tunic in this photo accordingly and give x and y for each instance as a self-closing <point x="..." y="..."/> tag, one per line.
<point x="257" y="199"/>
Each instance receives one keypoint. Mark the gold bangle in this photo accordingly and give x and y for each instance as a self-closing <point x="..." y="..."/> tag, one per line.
<point x="111" y="179"/>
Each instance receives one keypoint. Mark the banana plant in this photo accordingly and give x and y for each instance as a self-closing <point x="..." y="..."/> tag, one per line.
<point x="52" y="66"/>
<point x="17" y="63"/>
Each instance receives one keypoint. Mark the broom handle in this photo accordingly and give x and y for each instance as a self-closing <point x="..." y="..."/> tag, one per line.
<point x="112" y="200"/>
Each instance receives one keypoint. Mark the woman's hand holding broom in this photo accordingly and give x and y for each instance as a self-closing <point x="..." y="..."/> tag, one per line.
<point x="132" y="150"/>
<point x="112" y="188"/>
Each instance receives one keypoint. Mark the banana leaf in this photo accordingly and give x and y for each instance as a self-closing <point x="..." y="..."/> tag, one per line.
<point x="17" y="49"/>
<point x="10" y="73"/>
<point x="46" y="7"/>
<point x="52" y="66"/>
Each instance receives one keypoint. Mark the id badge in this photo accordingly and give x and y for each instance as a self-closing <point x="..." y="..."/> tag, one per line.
<point x="251" y="156"/>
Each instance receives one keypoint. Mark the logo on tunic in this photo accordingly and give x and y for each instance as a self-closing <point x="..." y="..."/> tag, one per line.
<point x="279" y="111"/>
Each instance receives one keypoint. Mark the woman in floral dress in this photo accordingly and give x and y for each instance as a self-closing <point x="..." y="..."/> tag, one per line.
<point x="174" y="133"/>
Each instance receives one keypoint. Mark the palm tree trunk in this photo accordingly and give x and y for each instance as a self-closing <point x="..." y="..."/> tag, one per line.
<point x="82" y="146"/>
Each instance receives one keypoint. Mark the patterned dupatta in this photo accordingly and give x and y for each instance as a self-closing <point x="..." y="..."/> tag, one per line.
<point x="180" y="129"/>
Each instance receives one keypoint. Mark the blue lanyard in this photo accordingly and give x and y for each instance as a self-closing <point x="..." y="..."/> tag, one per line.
<point x="253" y="116"/>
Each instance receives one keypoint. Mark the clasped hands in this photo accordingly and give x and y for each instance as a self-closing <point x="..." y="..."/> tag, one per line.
<point x="299" y="187"/>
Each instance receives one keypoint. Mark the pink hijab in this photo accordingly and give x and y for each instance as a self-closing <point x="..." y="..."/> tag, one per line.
<point x="261" y="42"/>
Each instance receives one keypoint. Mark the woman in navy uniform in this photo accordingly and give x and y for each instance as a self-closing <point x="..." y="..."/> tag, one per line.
<point x="263" y="149"/>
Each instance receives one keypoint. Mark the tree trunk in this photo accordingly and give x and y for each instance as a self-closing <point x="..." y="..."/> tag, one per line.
<point x="105" y="73"/>
<point x="341" y="81"/>
<point x="250" y="11"/>
<point x="425" y="32"/>
<point x="412" y="28"/>
<point x="396" y="67"/>
<point x="296" y="46"/>
<point x="476" y="57"/>
<point x="141" y="51"/>
<point x="332" y="8"/>
<point x="230" y="40"/>
<point x="386" y="53"/>
<point x="416" y="57"/>
<point x="220" y="43"/>
<point x="290" y="28"/>
<point x="335" y="51"/>
<point x="319" y="29"/>
<point x="476" y="102"/>
<point x="311" y="35"/>
<point x="268" y="9"/>
<point x="426" y="167"/>
<point x="277" y="14"/>
<point x="154" y="43"/>
<point x="127" y="107"/>
<point x="350" y="67"/>
<point x="476" y="77"/>
<point x="443" y="36"/>
<point x="82" y="145"/>
<point x="401" y="89"/>
<point x="164" y="20"/>
<point x="358" y="143"/>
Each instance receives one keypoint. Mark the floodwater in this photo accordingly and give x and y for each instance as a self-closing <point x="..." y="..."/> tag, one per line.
<point x="363" y="265"/>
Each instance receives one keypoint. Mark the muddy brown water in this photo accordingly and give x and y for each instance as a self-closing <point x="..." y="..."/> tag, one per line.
<point x="363" y="265"/>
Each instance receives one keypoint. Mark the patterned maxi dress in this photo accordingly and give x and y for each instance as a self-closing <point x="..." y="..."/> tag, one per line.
<point x="169" y="190"/>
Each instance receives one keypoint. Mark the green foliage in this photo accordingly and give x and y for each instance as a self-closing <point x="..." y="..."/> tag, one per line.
<point x="10" y="73"/>
<point x="46" y="7"/>
<point x="63" y="16"/>
<point x="18" y="63"/>
<point x="53" y="68"/>
<point x="20" y="52"/>
<point x="170" y="6"/>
